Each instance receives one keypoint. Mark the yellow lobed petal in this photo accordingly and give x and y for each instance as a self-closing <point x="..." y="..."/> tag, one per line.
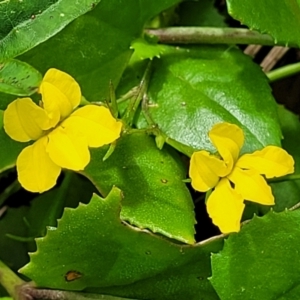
<point x="225" y="207"/>
<point x="205" y="170"/>
<point x="251" y="186"/>
<point x="36" y="171"/>
<point x="271" y="161"/>
<point x="24" y="120"/>
<point x="95" y="123"/>
<point x="68" y="148"/>
<point x="228" y="139"/>
<point x="60" y="94"/>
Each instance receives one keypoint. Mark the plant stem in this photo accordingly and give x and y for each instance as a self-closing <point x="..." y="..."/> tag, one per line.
<point x="210" y="35"/>
<point x="11" y="189"/>
<point x="135" y="101"/>
<point x="9" y="280"/>
<point x="29" y="292"/>
<point x="283" y="72"/>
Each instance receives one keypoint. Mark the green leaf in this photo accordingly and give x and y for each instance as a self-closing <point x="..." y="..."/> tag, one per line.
<point x="9" y="150"/>
<point x="18" y="78"/>
<point x="19" y="226"/>
<point x="290" y="126"/>
<point x="27" y="23"/>
<point x="95" y="48"/>
<point x="97" y="250"/>
<point x="262" y="261"/>
<point x="193" y="89"/>
<point x="144" y="49"/>
<point x="151" y="179"/>
<point x="200" y="13"/>
<point x="264" y="16"/>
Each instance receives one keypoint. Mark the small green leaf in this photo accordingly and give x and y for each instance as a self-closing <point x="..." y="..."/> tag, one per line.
<point x="192" y="89"/>
<point x="92" y="248"/>
<point x="151" y="179"/>
<point x="146" y="50"/>
<point x="18" y="78"/>
<point x="262" y="261"/>
<point x="264" y="16"/>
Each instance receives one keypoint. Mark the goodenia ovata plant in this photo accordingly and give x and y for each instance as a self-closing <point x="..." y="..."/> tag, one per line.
<point x="136" y="148"/>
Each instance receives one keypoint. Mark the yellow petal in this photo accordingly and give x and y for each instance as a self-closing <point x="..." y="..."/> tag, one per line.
<point x="36" y="171"/>
<point x="96" y="123"/>
<point x="228" y="139"/>
<point x="60" y="94"/>
<point x="24" y="120"/>
<point x="271" y="161"/>
<point x="225" y="207"/>
<point x="68" y="149"/>
<point x="251" y="186"/>
<point x="205" y="170"/>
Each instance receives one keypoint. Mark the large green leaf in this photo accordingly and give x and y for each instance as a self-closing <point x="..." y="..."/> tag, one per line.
<point x="262" y="261"/>
<point x="27" y="23"/>
<point x="93" y="248"/>
<point x="280" y="19"/>
<point x="18" y="78"/>
<point x="95" y="48"/>
<point x="192" y="89"/>
<point x="151" y="179"/>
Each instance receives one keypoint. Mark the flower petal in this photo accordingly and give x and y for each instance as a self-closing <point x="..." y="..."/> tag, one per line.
<point x="252" y="186"/>
<point x="96" y="123"/>
<point x="24" y="120"/>
<point x="225" y="207"/>
<point x="68" y="148"/>
<point x="271" y="161"/>
<point x="205" y="170"/>
<point x="228" y="139"/>
<point x="36" y="171"/>
<point x="60" y="94"/>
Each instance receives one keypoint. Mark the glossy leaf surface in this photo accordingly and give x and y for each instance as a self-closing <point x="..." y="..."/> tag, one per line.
<point x="280" y="19"/>
<point x="27" y="23"/>
<point x="192" y="89"/>
<point x="155" y="196"/>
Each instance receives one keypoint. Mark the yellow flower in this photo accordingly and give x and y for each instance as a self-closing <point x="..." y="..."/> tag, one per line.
<point x="235" y="179"/>
<point x="62" y="136"/>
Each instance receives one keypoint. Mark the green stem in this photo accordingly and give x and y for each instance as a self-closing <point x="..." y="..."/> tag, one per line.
<point x="9" y="280"/>
<point x="11" y="189"/>
<point x="28" y="291"/>
<point x="135" y="101"/>
<point x="283" y="72"/>
<point x="210" y="35"/>
<point x="187" y="150"/>
<point x="285" y="178"/>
